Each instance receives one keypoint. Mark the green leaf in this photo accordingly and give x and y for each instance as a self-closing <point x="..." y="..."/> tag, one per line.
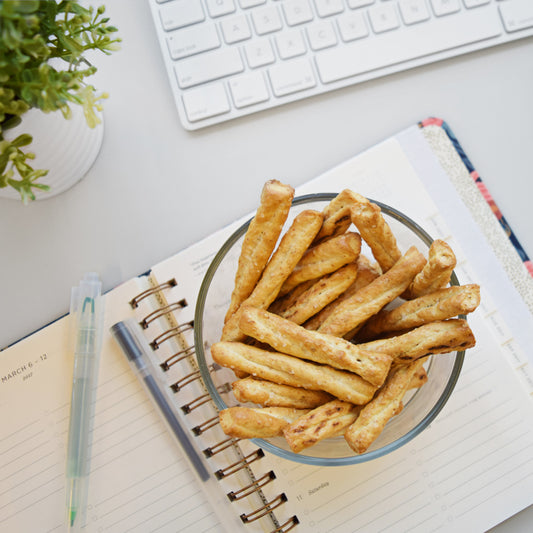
<point x="25" y="6"/>
<point x="11" y="122"/>
<point x="24" y="139"/>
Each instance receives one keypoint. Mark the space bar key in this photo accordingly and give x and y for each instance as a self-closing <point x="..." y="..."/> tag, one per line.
<point x="417" y="41"/>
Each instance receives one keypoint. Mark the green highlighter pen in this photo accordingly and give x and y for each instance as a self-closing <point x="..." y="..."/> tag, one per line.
<point x="86" y="314"/>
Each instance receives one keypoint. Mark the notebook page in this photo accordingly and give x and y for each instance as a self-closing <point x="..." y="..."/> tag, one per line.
<point x="472" y="468"/>
<point x="138" y="480"/>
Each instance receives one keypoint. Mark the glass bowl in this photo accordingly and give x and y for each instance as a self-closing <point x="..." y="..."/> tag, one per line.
<point x="420" y="407"/>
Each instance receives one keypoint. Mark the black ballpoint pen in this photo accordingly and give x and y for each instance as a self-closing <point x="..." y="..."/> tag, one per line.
<point x="124" y="333"/>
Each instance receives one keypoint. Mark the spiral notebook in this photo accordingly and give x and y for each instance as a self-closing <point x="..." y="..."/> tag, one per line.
<point x="469" y="471"/>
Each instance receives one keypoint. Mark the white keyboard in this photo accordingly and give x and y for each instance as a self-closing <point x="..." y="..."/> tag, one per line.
<point x="229" y="58"/>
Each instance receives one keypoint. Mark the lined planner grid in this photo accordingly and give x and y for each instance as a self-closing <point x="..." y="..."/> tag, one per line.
<point x="21" y="450"/>
<point x="138" y="481"/>
<point x="31" y="451"/>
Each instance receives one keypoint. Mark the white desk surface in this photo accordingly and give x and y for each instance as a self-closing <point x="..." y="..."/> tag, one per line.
<point x="156" y="188"/>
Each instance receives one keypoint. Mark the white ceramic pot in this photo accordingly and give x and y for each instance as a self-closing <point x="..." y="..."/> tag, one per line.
<point x="66" y="148"/>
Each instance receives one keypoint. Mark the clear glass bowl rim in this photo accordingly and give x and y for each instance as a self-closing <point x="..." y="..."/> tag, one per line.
<point x="265" y="445"/>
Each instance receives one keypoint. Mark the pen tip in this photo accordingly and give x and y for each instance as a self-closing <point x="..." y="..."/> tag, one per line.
<point x="72" y="517"/>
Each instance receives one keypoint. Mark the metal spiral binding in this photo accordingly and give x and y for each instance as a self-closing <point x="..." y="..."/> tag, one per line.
<point x="252" y="487"/>
<point x="208" y="424"/>
<point x="185" y="380"/>
<point x="177" y="357"/>
<point x="188" y="407"/>
<point x="172" y="332"/>
<point x="239" y="465"/>
<point x="162" y="311"/>
<point x="221" y="446"/>
<point x="263" y="511"/>
<point x="148" y="292"/>
<point x="288" y="525"/>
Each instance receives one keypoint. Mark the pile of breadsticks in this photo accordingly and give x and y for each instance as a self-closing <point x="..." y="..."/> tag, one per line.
<point x="324" y="340"/>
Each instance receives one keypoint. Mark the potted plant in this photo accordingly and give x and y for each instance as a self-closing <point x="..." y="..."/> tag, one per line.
<point x="43" y="65"/>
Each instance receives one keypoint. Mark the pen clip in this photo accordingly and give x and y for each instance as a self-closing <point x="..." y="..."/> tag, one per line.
<point x="89" y="292"/>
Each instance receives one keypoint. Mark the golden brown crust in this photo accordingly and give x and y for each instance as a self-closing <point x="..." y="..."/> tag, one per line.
<point x="387" y="403"/>
<point x="441" y="336"/>
<point x="366" y="273"/>
<point x="290" y="250"/>
<point x="290" y="338"/>
<point x="375" y="231"/>
<point x="438" y="305"/>
<point x="323" y="259"/>
<point x="319" y="294"/>
<point x="281" y="304"/>
<point x="419" y="378"/>
<point x="326" y="421"/>
<point x="289" y="370"/>
<point x="353" y="312"/>
<point x="257" y="422"/>
<point x="337" y="215"/>
<point x="437" y="272"/>
<point x="260" y="240"/>
<point x="270" y="394"/>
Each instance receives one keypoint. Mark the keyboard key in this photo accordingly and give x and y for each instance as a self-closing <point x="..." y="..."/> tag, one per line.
<point x="259" y="53"/>
<point x="290" y="44"/>
<point x="352" y="26"/>
<point x="291" y="76"/>
<point x="475" y="3"/>
<point x="266" y="20"/>
<point x="248" y="89"/>
<point x="245" y="4"/>
<point x="395" y="47"/>
<point x="354" y="4"/>
<point x="297" y="12"/>
<point x="235" y="29"/>
<point x="208" y="66"/>
<point x="326" y="8"/>
<point x="192" y="40"/>
<point x="181" y="13"/>
<point x="205" y="102"/>
<point x="383" y="18"/>
<point x="413" y="11"/>
<point x="321" y="35"/>
<point x="517" y="14"/>
<point x="445" y="7"/>
<point x="217" y="8"/>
